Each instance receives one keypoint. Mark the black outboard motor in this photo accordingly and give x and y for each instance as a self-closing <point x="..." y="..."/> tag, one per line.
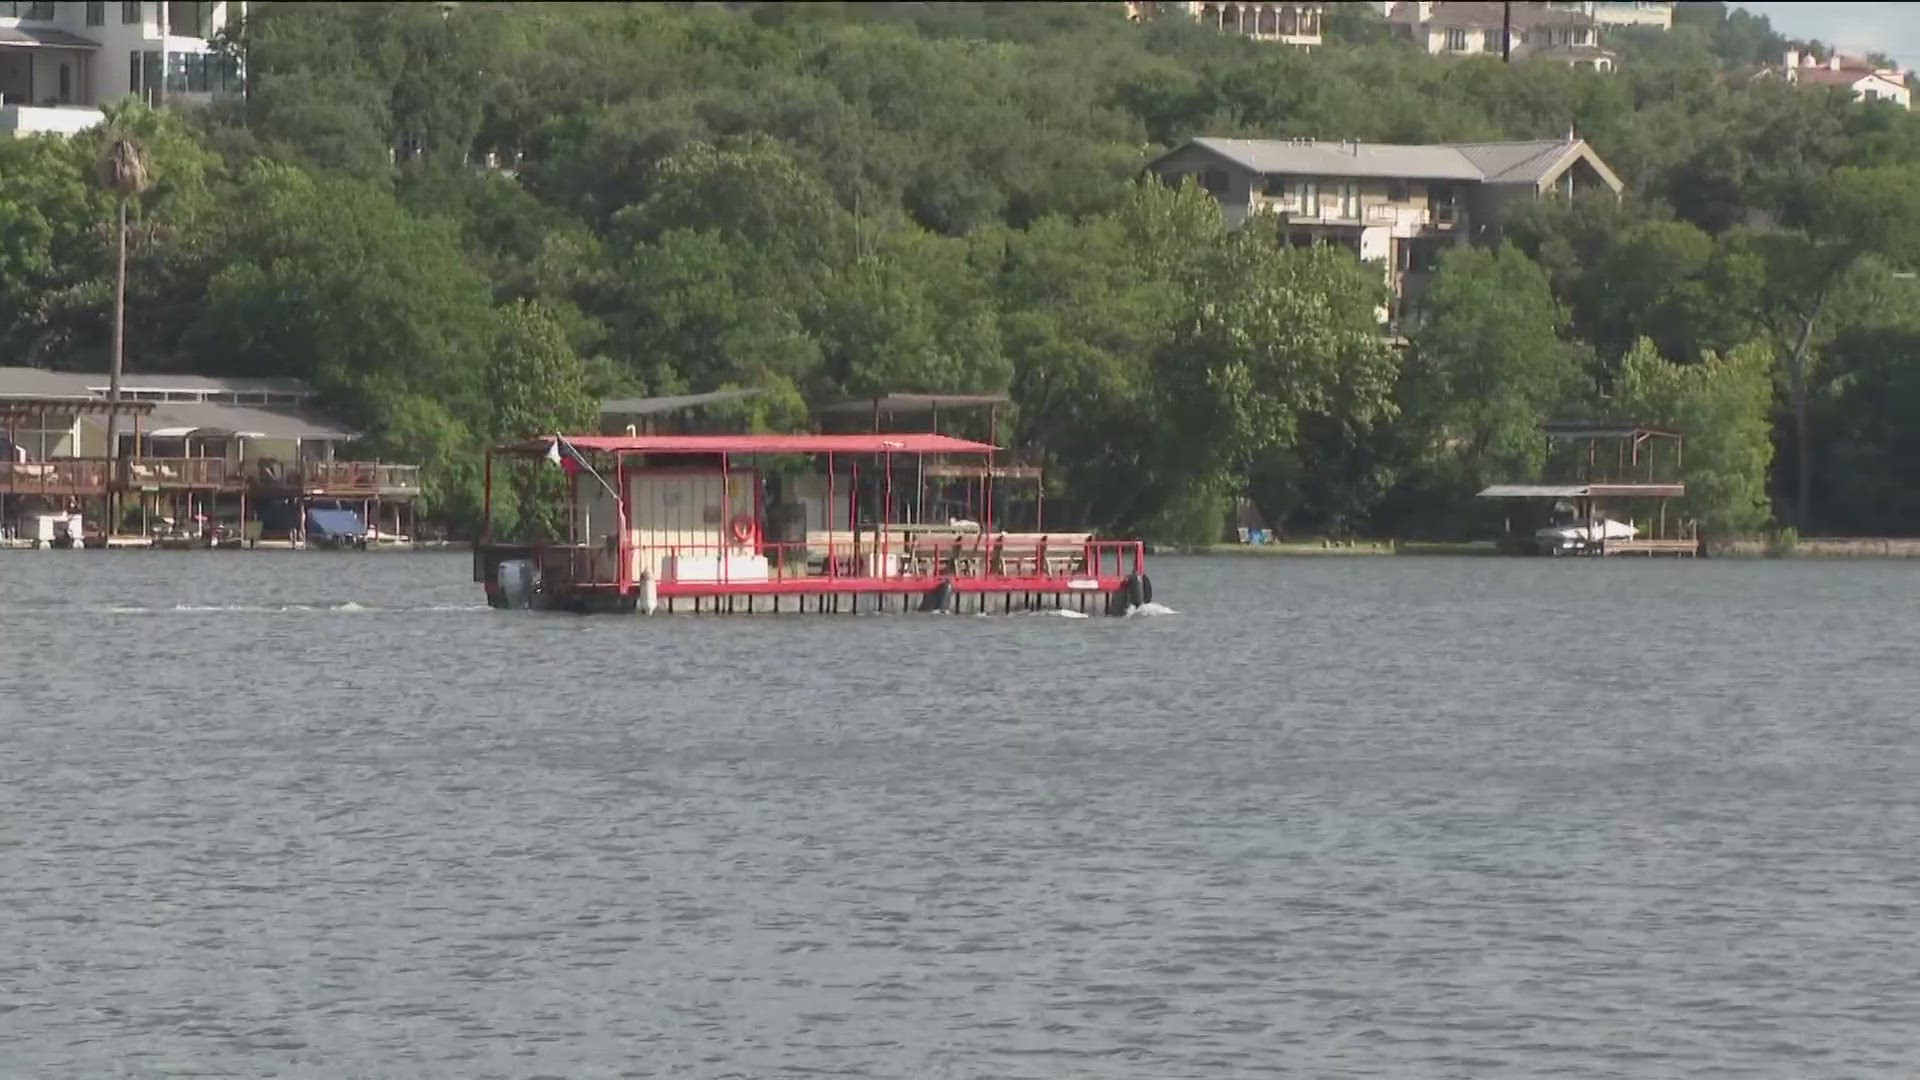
<point x="938" y="598"/>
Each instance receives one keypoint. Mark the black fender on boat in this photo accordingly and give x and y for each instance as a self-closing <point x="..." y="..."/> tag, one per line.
<point x="1146" y="590"/>
<point x="938" y="598"/>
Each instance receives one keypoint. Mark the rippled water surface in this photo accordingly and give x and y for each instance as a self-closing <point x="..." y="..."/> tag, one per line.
<point x="300" y="814"/>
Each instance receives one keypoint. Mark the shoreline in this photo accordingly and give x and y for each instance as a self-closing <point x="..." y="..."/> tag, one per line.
<point x="1852" y="548"/>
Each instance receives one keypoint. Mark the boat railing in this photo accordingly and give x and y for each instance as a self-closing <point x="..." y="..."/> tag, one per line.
<point x="574" y="566"/>
<point x="1000" y="557"/>
<point x="996" y="557"/>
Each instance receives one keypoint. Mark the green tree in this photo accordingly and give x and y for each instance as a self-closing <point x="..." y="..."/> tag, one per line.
<point x="1721" y="406"/>
<point x="1488" y="366"/>
<point x="333" y="282"/>
<point x="1277" y="334"/>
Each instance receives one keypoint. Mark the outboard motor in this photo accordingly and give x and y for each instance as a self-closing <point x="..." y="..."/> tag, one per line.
<point x="938" y="598"/>
<point x="1135" y="591"/>
<point x="515" y="583"/>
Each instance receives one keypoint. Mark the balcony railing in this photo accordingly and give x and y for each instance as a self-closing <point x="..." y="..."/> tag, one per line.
<point x="76" y="476"/>
<point x="147" y="473"/>
<point x="331" y="477"/>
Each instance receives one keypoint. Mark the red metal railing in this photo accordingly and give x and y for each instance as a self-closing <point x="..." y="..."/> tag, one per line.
<point x="988" y="559"/>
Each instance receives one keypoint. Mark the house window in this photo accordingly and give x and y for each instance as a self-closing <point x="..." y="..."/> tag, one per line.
<point x="130" y="12"/>
<point x="143" y="73"/>
<point x="97" y="13"/>
<point x="1275" y="186"/>
<point x="1308" y="195"/>
<point x="1456" y="40"/>
<point x="66" y="84"/>
<point x="1214" y="181"/>
<point x="1397" y="191"/>
<point x="189" y="19"/>
<point x="1350" y="201"/>
<point x="42" y="12"/>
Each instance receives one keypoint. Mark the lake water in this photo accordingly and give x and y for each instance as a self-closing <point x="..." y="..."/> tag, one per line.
<point x="325" y="815"/>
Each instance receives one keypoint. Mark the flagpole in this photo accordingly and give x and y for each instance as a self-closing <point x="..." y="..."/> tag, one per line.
<point x="560" y="445"/>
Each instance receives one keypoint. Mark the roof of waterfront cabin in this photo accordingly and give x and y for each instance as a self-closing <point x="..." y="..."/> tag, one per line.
<point x="903" y="443"/>
<point x="26" y="390"/>
<point x="22" y="406"/>
<point x="40" y="382"/>
<point x="171" y="420"/>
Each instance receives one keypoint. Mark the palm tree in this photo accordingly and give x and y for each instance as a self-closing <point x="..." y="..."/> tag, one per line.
<point x="123" y="171"/>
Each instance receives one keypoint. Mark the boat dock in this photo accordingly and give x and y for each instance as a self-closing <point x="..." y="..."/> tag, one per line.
<point x="1608" y="494"/>
<point x="200" y="463"/>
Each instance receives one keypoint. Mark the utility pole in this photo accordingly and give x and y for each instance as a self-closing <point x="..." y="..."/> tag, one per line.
<point x="1506" y="32"/>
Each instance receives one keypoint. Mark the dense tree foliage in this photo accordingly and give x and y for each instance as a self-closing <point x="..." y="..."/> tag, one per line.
<point x="466" y="222"/>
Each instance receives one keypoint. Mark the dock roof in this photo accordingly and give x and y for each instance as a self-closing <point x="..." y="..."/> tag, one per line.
<point x="888" y="404"/>
<point x="655" y="406"/>
<point x="1584" y="491"/>
<point x="903" y="443"/>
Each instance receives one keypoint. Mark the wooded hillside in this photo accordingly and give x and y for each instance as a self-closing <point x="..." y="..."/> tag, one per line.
<point x="467" y="223"/>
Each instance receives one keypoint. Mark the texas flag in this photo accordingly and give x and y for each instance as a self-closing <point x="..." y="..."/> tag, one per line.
<point x="562" y="453"/>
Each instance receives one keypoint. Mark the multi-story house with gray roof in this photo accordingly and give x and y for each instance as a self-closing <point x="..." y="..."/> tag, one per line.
<point x="1398" y="206"/>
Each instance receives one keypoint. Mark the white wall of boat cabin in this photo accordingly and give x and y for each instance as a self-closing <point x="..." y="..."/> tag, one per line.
<point x="595" y="516"/>
<point x="688" y="510"/>
<point x="811" y="492"/>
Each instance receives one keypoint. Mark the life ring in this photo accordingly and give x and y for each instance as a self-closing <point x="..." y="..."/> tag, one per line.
<point x="742" y="528"/>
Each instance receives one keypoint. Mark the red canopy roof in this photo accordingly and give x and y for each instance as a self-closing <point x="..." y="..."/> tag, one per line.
<point x="905" y="443"/>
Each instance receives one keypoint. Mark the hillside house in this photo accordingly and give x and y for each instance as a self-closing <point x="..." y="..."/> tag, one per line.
<point x="59" y="62"/>
<point x="1400" y="206"/>
<point x="1862" y="78"/>
<point x="1292" y="23"/>
<point x="1563" y="34"/>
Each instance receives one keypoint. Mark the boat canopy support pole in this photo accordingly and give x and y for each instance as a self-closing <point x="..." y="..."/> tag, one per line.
<point x="486" y="502"/>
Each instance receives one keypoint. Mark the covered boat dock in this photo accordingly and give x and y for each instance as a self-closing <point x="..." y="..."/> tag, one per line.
<point x="1611" y="469"/>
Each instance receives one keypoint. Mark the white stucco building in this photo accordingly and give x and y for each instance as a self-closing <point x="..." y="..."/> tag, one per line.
<point x="60" y="61"/>
<point x="1658" y="15"/>
<point x="1863" y="78"/>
